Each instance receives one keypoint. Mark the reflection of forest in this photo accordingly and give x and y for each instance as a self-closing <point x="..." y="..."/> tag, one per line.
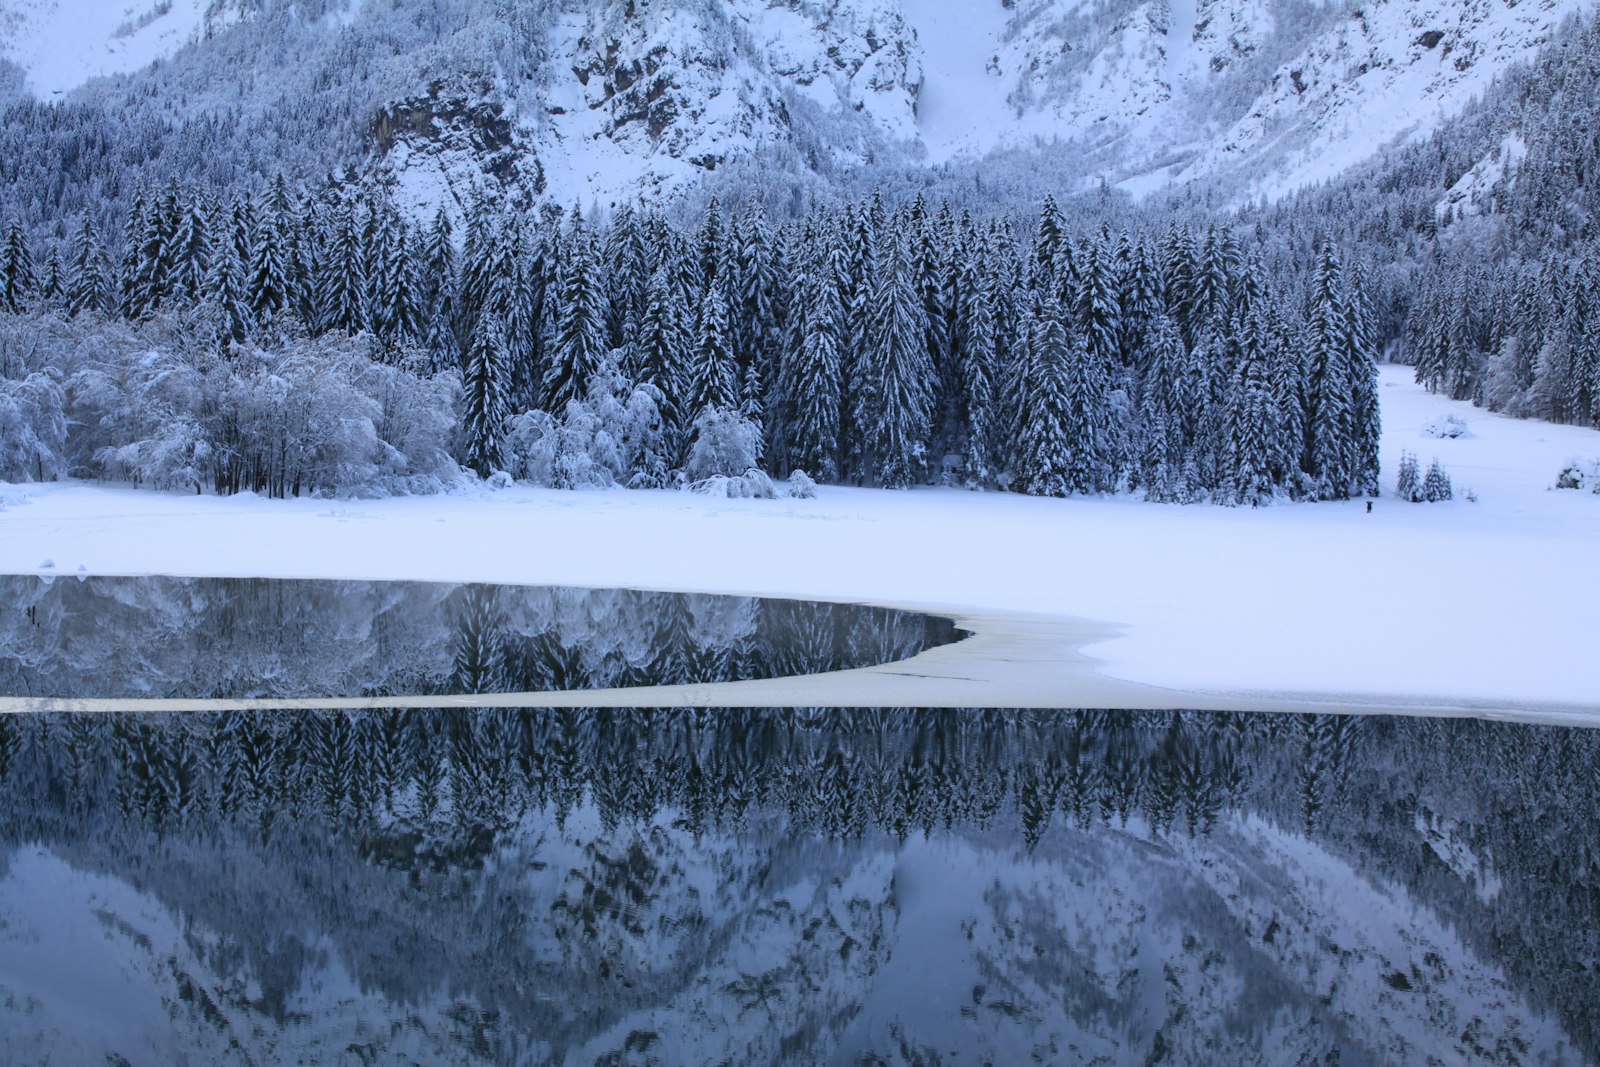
<point x="269" y="638"/>
<point x="562" y="869"/>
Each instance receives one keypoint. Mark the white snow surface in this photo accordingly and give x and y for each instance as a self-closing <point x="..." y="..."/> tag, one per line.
<point x="1489" y="607"/>
<point x="60" y="44"/>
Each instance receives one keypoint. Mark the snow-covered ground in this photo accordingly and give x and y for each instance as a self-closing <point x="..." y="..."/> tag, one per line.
<point x="61" y="44"/>
<point x="1490" y="607"/>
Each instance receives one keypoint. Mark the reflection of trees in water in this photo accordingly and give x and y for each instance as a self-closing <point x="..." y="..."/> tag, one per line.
<point x="355" y="798"/>
<point x="266" y="638"/>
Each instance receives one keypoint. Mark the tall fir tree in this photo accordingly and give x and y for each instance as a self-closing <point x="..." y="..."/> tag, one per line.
<point x="894" y="403"/>
<point x="578" y="347"/>
<point x="713" y="372"/>
<point x="88" y="274"/>
<point x="1045" y="444"/>
<point x="484" y="397"/>
<point x="815" y="378"/>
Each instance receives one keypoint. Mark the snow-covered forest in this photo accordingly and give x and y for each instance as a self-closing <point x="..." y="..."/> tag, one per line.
<point x="173" y="313"/>
<point x="288" y="342"/>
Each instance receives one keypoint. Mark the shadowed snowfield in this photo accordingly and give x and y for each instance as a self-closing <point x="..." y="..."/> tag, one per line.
<point x="1489" y="607"/>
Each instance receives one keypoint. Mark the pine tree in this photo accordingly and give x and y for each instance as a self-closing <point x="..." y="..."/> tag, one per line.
<point x="1044" y="446"/>
<point x="16" y="269"/>
<point x="815" y="376"/>
<point x="267" y="268"/>
<point x="437" y="296"/>
<point x="894" y="407"/>
<point x="191" y="252"/>
<point x="225" y="288"/>
<point x="627" y="275"/>
<point x="1086" y="421"/>
<point x="661" y="357"/>
<point x="1252" y="453"/>
<point x="579" y="344"/>
<point x="88" y="274"/>
<point x="1334" y="460"/>
<point x="148" y="285"/>
<point x="1408" y="485"/>
<point x="713" y="374"/>
<point x="342" y="282"/>
<point x="980" y="359"/>
<point x="1436" y="484"/>
<point x="1098" y="314"/>
<point x="484" y="397"/>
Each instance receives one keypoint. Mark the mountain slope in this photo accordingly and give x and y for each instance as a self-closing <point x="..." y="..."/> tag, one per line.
<point x="606" y="100"/>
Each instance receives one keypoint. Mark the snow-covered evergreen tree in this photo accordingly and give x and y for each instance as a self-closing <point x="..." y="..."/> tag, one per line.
<point x="814" y="375"/>
<point x="894" y="401"/>
<point x="578" y="347"/>
<point x="713" y="370"/>
<point x="1408" y="481"/>
<point x="88" y="274"/>
<point x="1044" y="445"/>
<point x="484" y="411"/>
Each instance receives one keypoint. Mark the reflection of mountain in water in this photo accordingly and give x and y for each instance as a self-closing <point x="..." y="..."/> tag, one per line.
<point x="765" y="886"/>
<point x="269" y="638"/>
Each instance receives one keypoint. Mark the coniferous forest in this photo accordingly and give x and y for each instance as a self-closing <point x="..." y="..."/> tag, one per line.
<point x="289" y="342"/>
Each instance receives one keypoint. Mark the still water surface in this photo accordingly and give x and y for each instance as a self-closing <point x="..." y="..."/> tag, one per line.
<point x="259" y="638"/>
<point x="796" y="886"/>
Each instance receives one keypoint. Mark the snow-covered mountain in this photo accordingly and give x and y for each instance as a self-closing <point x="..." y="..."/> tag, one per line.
<point x="592" y="99"/>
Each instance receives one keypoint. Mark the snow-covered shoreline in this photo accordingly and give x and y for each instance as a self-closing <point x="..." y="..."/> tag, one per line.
<point x="1488" y="608"/>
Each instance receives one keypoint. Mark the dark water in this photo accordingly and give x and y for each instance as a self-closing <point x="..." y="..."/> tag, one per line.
<point x="260" y="638"/>
<point x="891" y="887"/>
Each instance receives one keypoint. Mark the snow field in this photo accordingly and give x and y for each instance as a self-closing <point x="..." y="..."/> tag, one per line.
<point x="1488" y="608"/>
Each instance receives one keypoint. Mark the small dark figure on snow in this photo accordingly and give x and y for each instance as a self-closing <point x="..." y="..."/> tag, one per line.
<point x="1369" y="507"/>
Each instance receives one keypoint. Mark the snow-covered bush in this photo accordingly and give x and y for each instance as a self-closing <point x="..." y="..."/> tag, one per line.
<point x="1580" y="475"/>
<point x="1449" y="427"/>
<point x="801" y="487"/>
<point x="175" y="456"/>
<point x="307" y="416"/>
<point x="612" y="436"/>
<point x="529" y="448"/>
<point x="725" y="444"/>
<point x="752" y="485"/>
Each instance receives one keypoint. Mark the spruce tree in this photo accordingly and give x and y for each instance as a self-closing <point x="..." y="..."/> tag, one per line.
<point x="579" y="344"/>
<point x="1408" y="484"/>
<point x="1086" y="421"/>
<point x="894" y="405"/>
<point x="1044" y="448"/>
<point x="815" y="377"/>
<point x="661" y="353"/>
<point x="16" y="269"/>
<point x="342" y="281"/>
<point x="88" y="274"/>
<point x="1331" y="461"/>
<point x="980" y="357"/>
<point x="1436" y="483"/>
<point x="713" y="372"/>
<point x="191" y="251"/>
<point x="484" y="397"/>
<point x="1252" y="457"/>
